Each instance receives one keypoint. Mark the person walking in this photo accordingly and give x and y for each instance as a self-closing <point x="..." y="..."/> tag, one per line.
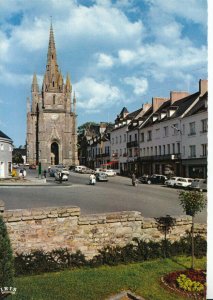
<point x="60" y="175"/>
<point x="92" y="179"/>
<point x="45" y="174"/>
<point x="24" y="173"/>
<point x="134" y="179"/>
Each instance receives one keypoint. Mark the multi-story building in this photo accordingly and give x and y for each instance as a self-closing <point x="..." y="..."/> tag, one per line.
<point x="98" y="147"/>
<point x="161" y="136"/>
<point x="194" y="129"/>
<point x="6" y="148"/>
<point x="166" y="137"/>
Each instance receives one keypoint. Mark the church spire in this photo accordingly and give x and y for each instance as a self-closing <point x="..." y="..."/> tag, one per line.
<point x="34" y="87"/>
<point x="52" y="73"/>
<point x="68" y="84"/>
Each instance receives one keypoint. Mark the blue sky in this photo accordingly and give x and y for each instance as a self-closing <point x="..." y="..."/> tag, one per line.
<point x="118" y="53"/>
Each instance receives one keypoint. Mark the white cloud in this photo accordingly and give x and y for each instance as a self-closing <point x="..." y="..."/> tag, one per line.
<point x="95" y="95"/>
<point x="140" y="85"/>
<point x="14" y="79"/>
<point x="104" y="60"/>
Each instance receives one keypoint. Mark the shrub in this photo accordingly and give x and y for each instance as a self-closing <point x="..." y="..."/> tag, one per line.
<point x="139" y="250"/>
<point x="6" y="257"/>
<point x="188" y="285"/>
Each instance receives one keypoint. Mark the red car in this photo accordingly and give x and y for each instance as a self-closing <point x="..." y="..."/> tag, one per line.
<point x="33" y="167"/>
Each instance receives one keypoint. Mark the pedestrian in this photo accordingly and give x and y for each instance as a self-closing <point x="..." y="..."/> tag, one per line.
<point x="24" y="173"/>
<point x="133" y="179"/>
<point x="45" y="173"/>
<point x="21" y="173"/>
<point x="60" y="175"/>
<point x="92" y="179"/>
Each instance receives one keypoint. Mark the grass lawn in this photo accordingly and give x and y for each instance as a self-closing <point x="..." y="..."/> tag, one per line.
<point x="99" y="283"/>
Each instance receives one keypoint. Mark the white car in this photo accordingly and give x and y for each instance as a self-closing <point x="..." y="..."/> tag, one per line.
<point x="65" y="174"/>
<point x="184" y="182"/>
<point x="172" y="181"/>
<point x="110" y="172"/>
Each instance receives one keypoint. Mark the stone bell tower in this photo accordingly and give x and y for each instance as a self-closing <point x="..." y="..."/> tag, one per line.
<point x="51" y="116"/>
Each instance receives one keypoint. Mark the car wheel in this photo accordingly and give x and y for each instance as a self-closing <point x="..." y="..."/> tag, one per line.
<point x="149" y="181"/>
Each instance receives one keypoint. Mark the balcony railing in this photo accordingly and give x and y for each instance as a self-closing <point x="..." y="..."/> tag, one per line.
<point x="102" y="155"/>
<point x="132" y="144"/>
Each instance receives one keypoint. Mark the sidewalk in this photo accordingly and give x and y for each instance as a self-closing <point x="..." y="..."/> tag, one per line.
<point x="23" y="181"/>
<point x="31" y="181"/>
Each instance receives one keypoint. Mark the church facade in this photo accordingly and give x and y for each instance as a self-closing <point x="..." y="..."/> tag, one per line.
<point x="51" y="117"/>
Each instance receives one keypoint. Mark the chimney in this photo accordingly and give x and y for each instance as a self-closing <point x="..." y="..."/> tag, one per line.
<point x="174" y="96"/>
<point x="146" y="106"/>
<point x="102" y="127"/>
<point x="157" y="102"/>
<point x="203" y="86"/>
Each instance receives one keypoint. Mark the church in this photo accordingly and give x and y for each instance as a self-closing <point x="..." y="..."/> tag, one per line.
<point x="51" y="117"/>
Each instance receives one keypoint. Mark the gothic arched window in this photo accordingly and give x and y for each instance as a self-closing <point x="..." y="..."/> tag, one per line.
<point x="53" y="99"/>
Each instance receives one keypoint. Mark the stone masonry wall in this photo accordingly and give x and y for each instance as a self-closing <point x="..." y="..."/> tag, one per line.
<point x="64" y="227"/>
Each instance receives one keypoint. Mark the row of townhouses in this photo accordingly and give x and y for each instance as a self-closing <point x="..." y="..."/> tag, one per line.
<point x="168" y="136"/>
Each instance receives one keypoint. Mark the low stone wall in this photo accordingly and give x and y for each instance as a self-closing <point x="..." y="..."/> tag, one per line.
<point x="65" y="227"/>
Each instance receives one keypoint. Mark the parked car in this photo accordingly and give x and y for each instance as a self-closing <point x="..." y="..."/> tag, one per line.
<point x="32" y="167"/>
<point x="15" y="166"/>
<point x="78" y="169"/>
<point x="65" y="174"/>
<point x="97" y="170"/>
<point x="110" y="172"/>
<point x="184" y="182"/>
<point x="101" y="176"/>
<point x="86" y="171"/>
<point x="154" y="179"/>
<point x="172" y="181"/>
<point x="199" y="184"/>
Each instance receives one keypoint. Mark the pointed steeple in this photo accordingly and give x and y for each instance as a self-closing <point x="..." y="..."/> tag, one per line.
<point x="52" y="73"/>
<point x="68" y="84"/>
<point x="34" y="87"/>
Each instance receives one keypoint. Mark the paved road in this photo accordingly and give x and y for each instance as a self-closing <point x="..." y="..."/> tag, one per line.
<point x="116" y="195"/>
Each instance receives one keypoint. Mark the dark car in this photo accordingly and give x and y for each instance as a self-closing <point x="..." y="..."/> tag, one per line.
<point x="153" y="179"/>
<point x="101" y="176"/>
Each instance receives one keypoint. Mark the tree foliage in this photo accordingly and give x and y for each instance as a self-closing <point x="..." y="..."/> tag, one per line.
<point x="85" y="125"/>
<point x="17" y="158"/>
<point x="6" y="257"/>
<point x="192" y="202"/>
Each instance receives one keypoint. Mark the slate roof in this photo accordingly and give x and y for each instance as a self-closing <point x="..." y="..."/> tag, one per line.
<point x="199" y="106"/>
<point x="180" y="106"/>
<point x="4" y="136"/>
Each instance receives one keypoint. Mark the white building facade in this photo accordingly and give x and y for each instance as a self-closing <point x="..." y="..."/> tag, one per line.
<point x="6" y="149"/>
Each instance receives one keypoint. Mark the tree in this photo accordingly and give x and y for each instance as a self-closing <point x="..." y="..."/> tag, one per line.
<point x="17" y="158"/>
<point x="6" y="257"/>
<point x="192" y="202"/>
<point x="165" y="224"/>
<point x="85" y="125"/>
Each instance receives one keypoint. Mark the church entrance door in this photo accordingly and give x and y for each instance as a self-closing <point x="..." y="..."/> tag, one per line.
<point x="54" y="154"/>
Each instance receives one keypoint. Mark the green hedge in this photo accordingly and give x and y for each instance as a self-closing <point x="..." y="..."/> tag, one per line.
<point x="139" y="250"/>
<point x="6" y="257"/>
